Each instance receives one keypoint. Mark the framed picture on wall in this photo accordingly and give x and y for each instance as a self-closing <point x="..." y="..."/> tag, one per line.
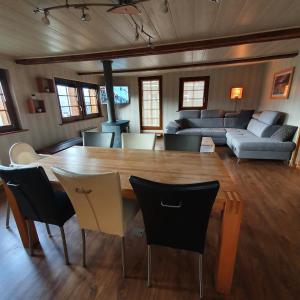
<point x="282" y="84"/>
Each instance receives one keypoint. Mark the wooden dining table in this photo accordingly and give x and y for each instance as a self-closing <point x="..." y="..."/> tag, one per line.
<point x="174" y="167"/>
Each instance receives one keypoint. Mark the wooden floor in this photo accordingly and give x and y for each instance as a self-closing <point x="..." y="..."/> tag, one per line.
<point x="268" y="263"/>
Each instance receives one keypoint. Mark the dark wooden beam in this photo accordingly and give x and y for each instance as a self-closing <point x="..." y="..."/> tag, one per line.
<point x="203" y="64"/>
<point x="261" y="37"/>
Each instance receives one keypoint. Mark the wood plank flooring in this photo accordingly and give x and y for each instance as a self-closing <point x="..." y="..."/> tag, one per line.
<point x="268" y="262"/>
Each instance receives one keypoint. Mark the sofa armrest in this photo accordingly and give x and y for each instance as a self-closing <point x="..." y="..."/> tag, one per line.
<point x="172" y="127"/>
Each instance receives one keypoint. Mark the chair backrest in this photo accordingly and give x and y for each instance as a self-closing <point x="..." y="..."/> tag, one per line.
<point x="180" y="142"/>
<point x="144" y="141"/>
<point x="22" y="154"/>
<point x="96" y="198"/>
<point x="175" y="215"/>
<point x="33" y="193"/>
<point x="98" y="139"/>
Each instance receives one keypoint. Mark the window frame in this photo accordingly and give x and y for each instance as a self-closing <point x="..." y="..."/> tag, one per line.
<point x="182" y="80"/>
<point x="94" y="87"/>
<point x="140" y="83"/>
<point x="11" y="110"/>
<point x="81" y="103"/>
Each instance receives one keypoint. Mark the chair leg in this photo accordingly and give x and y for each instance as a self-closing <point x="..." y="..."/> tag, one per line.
<point x="149" y="267"/>
<point x="29" y="237"/>
<point x="83" y="248"/>
<point x="7" y="216"/>
<point x="123" y="256"/>
<point x="200" y="276"/>
<point x="64" y="244"/>
<point x="48" y="230"/>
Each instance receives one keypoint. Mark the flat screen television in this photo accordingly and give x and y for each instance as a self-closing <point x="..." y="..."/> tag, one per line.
<point x="121" y="94"/>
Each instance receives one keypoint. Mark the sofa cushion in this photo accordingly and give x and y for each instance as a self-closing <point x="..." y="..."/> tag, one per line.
<point x="212" y="113"/>
<point x="270" y="117"/>
<point x="238" y="119"/>
<point x="232" y="114"/>
<point x="256" y="115"/>
<point x="284" y="133"/>
<point x="257" y="127"/>
<point x="172" y="127"/>
<point x="233" y="133"/>
<point x="206" y="123"/>
<point x="238" y="132"/>
<point x="246" y="116"/>
<point x="210" y="132"/>
<point x="232" y="123"/>
<point x="261" y="144"/>
<point x="213" y="132"/>
<point x="189" y="114"/>
<point x="182" y="123"/>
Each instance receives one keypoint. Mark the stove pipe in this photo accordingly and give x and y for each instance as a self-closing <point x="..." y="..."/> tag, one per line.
<point x="108" y="78"/>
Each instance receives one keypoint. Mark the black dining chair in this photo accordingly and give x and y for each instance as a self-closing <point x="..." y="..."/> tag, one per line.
<point x="180" y="142"/>
<point x="98" y="139"/>
<point x="37" y="200"/>
<point x="175" y="216"/>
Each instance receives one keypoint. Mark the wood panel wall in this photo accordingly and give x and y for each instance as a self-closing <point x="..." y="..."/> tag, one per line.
<point x="221" y="80"/>
<point x="44" y="129"/>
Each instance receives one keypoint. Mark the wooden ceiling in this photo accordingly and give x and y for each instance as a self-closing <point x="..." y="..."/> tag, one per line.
<point x="23" y="35"/>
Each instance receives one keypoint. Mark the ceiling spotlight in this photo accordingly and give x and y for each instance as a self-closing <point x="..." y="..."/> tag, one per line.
<point x="45" y="18"/>
<point x="85" y="17"/>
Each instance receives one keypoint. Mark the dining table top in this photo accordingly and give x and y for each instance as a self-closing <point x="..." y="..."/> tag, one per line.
<point x="173" y="167"/>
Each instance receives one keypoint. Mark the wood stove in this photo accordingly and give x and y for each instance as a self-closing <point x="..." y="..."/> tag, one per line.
<point x="112" y="125"/>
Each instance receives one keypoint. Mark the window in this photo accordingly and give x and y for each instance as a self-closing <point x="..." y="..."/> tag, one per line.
<point x="8" y="117"/>
<point x="91" y="103"/>
<point x="150" y="89"/>
<point x="77" y="100"/>
<point x="193" y="92"/>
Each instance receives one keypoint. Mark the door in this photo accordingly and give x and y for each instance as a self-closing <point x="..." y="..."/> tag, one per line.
<point x="150" y="102"/>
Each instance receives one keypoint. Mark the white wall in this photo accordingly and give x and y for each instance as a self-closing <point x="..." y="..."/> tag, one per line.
<point x="43" y="129"/>
<point x="221" y="80"/>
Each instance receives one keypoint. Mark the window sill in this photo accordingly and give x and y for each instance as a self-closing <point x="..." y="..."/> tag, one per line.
<point x="14" y="131"/>
<point x="191" y="108"/>
<point x="75" y="121"/>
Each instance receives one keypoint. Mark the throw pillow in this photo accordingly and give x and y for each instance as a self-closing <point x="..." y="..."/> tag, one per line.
<point x="183" y="123"/>
<point x="284" y="133"/>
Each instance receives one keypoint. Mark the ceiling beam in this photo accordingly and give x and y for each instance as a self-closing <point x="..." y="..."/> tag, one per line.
<point x="203" y="64"/>
<point x="261" y="37"/>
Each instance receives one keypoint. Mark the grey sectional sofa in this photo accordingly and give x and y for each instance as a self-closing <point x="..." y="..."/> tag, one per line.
<point x="212" y="123"/>
<point x="249" y="135"/>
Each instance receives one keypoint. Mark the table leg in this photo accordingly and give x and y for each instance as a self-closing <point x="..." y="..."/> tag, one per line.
<point x="229" y="237"/>
<point x="20" y="221"/>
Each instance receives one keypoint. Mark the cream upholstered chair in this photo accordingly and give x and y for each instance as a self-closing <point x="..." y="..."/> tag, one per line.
<point x="23" y="154"/>
<point x="8" y="208"/>
<point x="145" y="141"/>
<point x="98" y="204"/>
